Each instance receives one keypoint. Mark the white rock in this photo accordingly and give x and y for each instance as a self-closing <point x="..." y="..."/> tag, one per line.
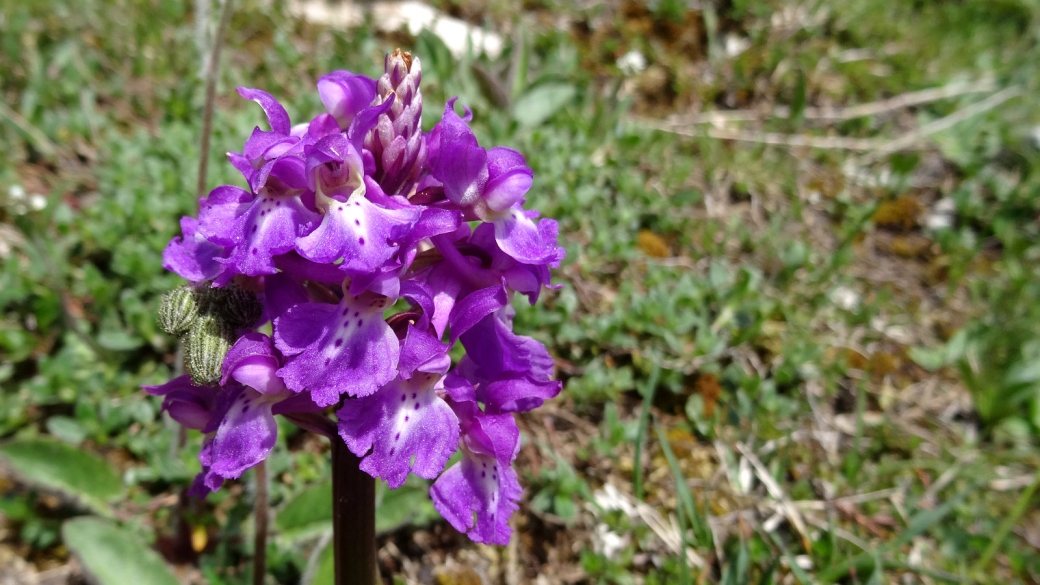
<point x="458" y="35"/>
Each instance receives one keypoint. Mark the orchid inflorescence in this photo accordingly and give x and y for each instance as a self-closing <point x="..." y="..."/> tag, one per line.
<point x="352" y="215"/>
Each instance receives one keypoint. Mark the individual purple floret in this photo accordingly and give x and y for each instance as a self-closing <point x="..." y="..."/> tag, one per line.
<point x="346" y="348"/>
<point x="491" y="183"/>
<point x="406" y="424"/>
<point x="354" y="259"/>
<point x="483" y="484"/>
<point x="238" y="417"/>
<point x="361" y="226"/>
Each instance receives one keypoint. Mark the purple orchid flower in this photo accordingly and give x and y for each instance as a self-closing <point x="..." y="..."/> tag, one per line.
<point x="337" y="219"/>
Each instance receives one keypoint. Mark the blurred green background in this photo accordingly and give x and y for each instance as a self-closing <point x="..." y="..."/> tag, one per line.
<point x="802" y="289"/>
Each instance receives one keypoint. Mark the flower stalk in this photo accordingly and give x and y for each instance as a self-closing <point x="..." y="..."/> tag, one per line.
<point x="353" y="519"/>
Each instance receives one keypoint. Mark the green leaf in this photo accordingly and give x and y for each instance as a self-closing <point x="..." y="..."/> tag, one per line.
<point x="115" y="555"/>
<point x="65" y="468"/>
<point x="799" y="100"/>
<point x="306" y="514"/>
<point x="542" y="102"/>
<point x="930" y="359"/>
<point x="407" y="505"/>
<point x="325" y="573"/>
<point x="310" y="512"/>
<point x="67" y="429"/>
<point x="116" y="340"/>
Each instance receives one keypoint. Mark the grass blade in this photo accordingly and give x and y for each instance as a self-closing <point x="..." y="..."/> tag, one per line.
<point x="680" y="488"/>
<point x="644" y="420"/>
<point x="1005" y="527"/>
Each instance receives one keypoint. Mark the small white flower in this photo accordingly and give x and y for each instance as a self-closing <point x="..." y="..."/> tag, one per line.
<point x="632" y="62"/>
<point x="37" y="201"/>
<point x="16" y="192"/>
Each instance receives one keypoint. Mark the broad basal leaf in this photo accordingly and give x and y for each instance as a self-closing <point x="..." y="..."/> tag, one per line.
<point x="114" y="555"/>
<point x="62" y="467"/>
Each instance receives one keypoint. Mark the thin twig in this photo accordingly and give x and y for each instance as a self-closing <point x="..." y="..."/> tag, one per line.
<point x="212" y="73"/>
<point x="875" y="148"/>
<point x="315" y="557"/>
<point x="834" y="114"/>
<point x="839" y="532"/>
<point x="792" y="513"/>
<point x="36" y="136"/>
<point x="910" y="139"/>
<point x="260" y="513"/>
<point x="776" y="139"/>
<point x="855" y="499"/>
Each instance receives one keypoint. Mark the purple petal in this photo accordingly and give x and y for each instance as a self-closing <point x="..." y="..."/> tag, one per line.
<point x="301" y="402"/>
<point x="241" y="163"/>
<point x="334" y="166"/>
<point x="281" y="293"/>
<point x="385" y="281"/>
<point x="433" y="222"/>
<point x="344" y="94"/>
<point x="419" y="295"/>
<point x="218" y="212"/>
<point x="527" y="279"/>
<point x="245" y="436"/>
<point x="192" y="256"/>
<point x="303" y="269"/>
<point x="482" y="484"/>
<point x="424" y="353"/>
<point x="253" y="361"/>
<point x="475" y="307"/>
<point x="190" y="405"/>
<point x="321" y="126"/>
<point x="339" y="349"/>
<point x="407" y="426"/>
<point x="206" y="481"/>
<point x="178" y="383"/>
<point x="301" y="326"/>
<point x="366" y="120"/>
<point x="276" y="114"/>
<point x="493" y="351"/>
<point x="269" y="227"/>
<point x="526" y="241"/>
<point x="364" y="234"/>
<point x="459" y="390"/>
<point x="518" y="394"/>
<point x="509" y="178"/>
<point x="460" y="493"/>
<point x="446" y="285"/>
<point x="460" y="163"/>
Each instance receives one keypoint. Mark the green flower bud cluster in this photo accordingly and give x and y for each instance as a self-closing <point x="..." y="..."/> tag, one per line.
<point x="206" y="320"/>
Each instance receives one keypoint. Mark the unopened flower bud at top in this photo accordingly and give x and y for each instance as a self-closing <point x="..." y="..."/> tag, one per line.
<point x="397" y="143"/>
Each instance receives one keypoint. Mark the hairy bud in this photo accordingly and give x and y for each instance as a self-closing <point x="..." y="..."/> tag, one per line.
<point x="205" y="346"/>
<point x="234" y="306"/>
<point x="178" y="310"/>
